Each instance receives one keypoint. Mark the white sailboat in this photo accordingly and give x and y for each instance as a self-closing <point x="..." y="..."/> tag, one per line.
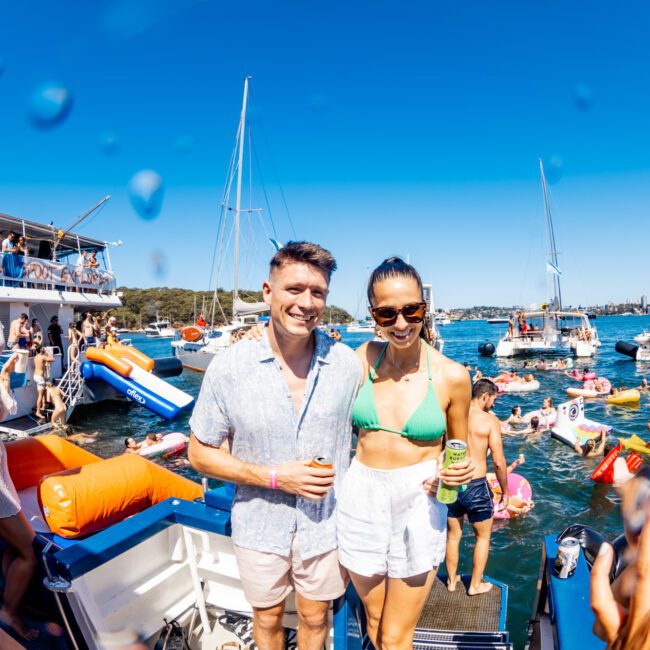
<point x="197" y="346"/>
<point x="550" y="328"/>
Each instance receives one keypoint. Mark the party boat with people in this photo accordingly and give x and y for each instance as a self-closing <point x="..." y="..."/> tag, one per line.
<point x="44" y="282"/>
<point x="550" y="328"/>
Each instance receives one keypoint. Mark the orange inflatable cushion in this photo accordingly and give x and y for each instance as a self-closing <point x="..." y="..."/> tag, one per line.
<point x="133" y="355"/>
<point x="98" y="355"/>
<point x="87" y="499"/>
<point x="29" y="459"/>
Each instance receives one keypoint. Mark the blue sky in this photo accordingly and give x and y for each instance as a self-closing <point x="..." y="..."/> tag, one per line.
<point x="409" y="128"/>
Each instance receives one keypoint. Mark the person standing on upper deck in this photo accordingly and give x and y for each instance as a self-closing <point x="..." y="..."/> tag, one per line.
<point x="282" y="400"/>
<point x="8" y="245"/>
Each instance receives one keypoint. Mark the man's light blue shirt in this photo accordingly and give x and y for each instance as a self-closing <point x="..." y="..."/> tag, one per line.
<point x="245" y="396"/>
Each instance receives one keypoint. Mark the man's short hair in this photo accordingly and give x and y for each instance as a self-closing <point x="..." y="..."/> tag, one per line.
<point x="24" y="315"/>
<point x="304" y="252"/>
<point x="482" y="387"/>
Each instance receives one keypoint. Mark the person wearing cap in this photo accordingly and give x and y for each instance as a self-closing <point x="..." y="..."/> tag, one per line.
<point x="111" y="331"/>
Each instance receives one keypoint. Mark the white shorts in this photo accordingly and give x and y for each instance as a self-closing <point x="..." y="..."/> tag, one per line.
<point x="386" y="523"/>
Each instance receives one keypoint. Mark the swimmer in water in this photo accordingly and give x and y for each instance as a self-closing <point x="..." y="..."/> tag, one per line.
<point x="590" y="448"/>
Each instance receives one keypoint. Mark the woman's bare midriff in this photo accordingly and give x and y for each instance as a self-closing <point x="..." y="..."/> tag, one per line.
<point x="387" y="450"/>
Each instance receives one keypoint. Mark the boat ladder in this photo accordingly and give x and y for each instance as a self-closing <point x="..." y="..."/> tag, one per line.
<point x="72" y="382"/>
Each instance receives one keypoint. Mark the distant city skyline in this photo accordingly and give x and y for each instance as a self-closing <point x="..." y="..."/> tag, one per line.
<point x="411" y="129"/>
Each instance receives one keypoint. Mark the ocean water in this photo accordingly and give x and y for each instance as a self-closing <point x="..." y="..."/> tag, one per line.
<point x="562" y="490"/>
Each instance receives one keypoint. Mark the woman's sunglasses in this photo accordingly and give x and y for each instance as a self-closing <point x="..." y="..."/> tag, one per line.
<point x="414" y="312"/>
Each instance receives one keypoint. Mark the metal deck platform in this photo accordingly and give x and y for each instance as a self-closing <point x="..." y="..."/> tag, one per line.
<point x="456" y="620"/>
<point x="23" y="428"/>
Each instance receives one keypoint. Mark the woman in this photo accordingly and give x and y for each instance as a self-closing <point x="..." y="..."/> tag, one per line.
<point x="19" y="561"/>
<point x="21" y="246"/>
<point x="36" y="333"/>
<point x="391" y="529"/>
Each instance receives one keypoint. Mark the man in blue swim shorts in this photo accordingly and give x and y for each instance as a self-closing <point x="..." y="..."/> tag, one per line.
<point x="476" y="501"/>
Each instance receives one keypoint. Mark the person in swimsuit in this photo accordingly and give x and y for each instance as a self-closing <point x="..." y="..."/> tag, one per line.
<point x="19" y="560"/>
<point x="391" y="529"/>
<point x="41" y="370"/>
<point x="476" y="502"/>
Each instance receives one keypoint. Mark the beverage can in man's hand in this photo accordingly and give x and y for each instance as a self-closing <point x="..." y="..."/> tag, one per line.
<point x="455" y="452"/>
<point x="321" y="462"/>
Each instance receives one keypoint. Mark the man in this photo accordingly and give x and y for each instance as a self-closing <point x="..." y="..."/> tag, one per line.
<point x="54" y="333"/>
<point x="484" y="432"/>
<point x="42" y="363"/>
<point x="88" y="329"/>
<point x="281" y="401"/>
<point x="8" y="245"/>
<point x="19" y="333"/>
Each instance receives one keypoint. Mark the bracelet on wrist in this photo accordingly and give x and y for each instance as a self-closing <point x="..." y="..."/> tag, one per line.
<point x="273" y="478"/>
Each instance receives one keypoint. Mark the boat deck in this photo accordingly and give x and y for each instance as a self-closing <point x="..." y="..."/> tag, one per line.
<point x="467" y="621"/>
<point x="22" y="428"/>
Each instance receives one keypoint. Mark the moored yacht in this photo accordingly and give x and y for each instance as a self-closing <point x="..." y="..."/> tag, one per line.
<point x="550" y="328"/>
<point x="160" y="329"/>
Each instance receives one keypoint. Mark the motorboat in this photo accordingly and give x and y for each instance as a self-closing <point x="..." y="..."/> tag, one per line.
<point x="360" y="327"/>
<point x="550" y="328"/>
<point x="638" y="352"/>
<point x="442" y="319"/>
<point x="498" y="320"/>
<point x="160" y="329"/>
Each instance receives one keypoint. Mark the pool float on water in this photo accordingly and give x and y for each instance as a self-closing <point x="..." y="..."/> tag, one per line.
<point x="172" y="443"/>
<point x="589" y="391"/>
<point x="576" y="374"/>
<point x="635" y="443"/>
<point x="518" y="386"/>
<point x="572" y="426"/>
<point x="615" y="469"/>
<point x="520" y="492"/>
<point x="631" y="396"/>
<point x="545" y="421"/>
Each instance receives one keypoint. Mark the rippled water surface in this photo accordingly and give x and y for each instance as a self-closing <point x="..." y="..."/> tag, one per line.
<point x="562" y="489"/>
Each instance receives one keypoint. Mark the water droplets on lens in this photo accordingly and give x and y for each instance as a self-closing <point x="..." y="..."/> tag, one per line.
<point x="159" y="264"/>
<point x="146" y="191"/>
<point x="554" y="168"/>
<point x="108" y="143"/>
<point x="49" y="105"/>
<point x="583" y="97"/>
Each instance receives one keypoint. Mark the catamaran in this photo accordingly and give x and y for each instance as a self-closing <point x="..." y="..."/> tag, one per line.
<point x="196" y="346"/>
<point x="550" y="328"/>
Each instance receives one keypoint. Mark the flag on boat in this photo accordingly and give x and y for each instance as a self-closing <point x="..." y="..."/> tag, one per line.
<point x="276" y="244"/>
<point x="553" y="268"/>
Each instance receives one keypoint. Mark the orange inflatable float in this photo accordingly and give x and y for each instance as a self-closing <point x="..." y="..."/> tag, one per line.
<point x="119" y="358"/>
<point x="79" y="493"/>
<point x="192" y="333"/>
<point x="30" y="459"/>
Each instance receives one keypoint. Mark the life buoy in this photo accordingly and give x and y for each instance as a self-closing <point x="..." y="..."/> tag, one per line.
<point x="192" y="333"/>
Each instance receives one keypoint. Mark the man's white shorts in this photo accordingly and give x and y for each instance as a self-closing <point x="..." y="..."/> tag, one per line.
<point x="386" y="523"/>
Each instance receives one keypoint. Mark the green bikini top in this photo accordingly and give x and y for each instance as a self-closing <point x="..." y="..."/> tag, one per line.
<point x="427" y="422"/>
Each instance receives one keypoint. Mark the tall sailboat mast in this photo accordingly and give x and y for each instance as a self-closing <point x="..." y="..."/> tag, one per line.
<point x="551" y="238"/>
<point x="240" y="165"/>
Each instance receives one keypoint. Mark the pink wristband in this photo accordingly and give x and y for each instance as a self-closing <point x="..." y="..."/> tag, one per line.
<point x="273" y="478"/>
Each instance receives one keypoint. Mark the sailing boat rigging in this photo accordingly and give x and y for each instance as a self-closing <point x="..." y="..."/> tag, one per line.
<point x="197" y="346"/>
<point x="551" y="329"/>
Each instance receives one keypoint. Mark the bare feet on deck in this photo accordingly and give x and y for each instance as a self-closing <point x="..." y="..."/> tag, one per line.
<point x="17" y="625"/>
<point x="451" y="584"/>
<point x="483" y="588"/>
